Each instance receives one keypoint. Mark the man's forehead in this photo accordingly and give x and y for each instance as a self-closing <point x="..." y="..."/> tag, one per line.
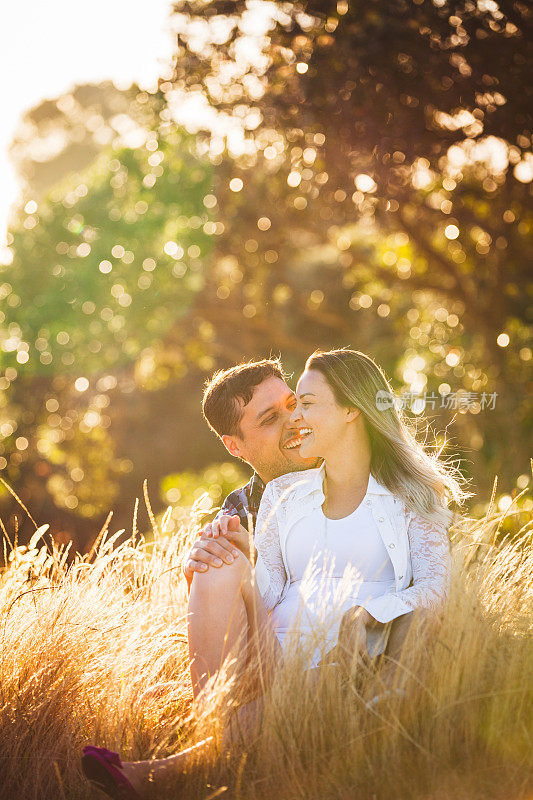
<point x="270" y="392"/>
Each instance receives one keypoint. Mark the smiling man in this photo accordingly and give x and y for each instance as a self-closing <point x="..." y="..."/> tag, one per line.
<point x="249" y="407"/>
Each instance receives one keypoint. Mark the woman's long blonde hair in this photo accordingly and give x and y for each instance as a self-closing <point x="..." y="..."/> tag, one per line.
<point x="424" y="481"/>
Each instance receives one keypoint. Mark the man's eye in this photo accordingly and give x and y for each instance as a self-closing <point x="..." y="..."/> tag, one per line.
<point x="268" y="420"/>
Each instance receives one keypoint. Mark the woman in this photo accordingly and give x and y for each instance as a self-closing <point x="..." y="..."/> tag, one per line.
<point x="378" y="502"/>
<point x="366" y="532"/>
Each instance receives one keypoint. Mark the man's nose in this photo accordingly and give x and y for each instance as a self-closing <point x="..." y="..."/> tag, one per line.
<point x="295" y="415"/>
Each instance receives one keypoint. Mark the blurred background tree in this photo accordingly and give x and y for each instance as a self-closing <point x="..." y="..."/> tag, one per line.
<point x="364" y="180"/>
<point x="105" y="261"/>
<point x="396" y="137"/>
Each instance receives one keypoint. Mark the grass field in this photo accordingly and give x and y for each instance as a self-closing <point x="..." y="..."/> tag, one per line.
<point x="84" y="640"/>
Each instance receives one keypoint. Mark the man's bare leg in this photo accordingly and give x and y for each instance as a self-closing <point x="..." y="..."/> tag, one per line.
<point x="216" y="620"/>
<point x="225" y="613"/>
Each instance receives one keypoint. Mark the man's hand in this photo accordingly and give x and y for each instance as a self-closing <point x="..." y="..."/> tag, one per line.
<point x="219" y="543"/>
<point x="207" y="552"/>
<point x="229" y="527"/>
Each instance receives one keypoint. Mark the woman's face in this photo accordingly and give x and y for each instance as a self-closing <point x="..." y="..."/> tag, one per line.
<point x="322" y="421"/>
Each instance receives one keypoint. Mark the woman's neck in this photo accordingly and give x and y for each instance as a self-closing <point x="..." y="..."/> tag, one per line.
<point x="346" y="478"/>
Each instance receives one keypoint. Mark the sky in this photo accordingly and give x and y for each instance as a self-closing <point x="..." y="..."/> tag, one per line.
<point x="48" y="47"/>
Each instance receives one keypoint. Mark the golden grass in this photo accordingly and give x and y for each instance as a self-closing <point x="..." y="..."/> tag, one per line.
<point x="82" y="644"/>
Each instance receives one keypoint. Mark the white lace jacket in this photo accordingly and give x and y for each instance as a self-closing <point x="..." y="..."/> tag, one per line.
<point x="419" y="550"/>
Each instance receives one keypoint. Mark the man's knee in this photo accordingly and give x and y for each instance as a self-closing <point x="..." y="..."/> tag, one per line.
<point x="226" y="575"/>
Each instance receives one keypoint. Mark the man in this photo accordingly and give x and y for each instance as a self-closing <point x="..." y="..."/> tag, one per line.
<point x="248" y="407"/>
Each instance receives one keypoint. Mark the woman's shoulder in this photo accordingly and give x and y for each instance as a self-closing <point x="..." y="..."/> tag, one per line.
<point x="440" y="516"/>
<point x="438" y="520"/>
<point x="294" y="482"/>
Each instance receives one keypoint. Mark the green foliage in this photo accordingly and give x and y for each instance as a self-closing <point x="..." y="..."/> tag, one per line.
<point x="217" y="480"/>
<point x="104" y="267"/>
<point x="108" y="262"/>
<point x="396" y="214"/>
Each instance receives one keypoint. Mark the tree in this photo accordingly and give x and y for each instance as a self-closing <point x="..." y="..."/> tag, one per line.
<point x="104" y="265"/>
<point x="373" y="191"/>
<point x="412" y="122"/>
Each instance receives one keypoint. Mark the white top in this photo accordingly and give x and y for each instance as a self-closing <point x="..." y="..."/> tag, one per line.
<point x="353" y="539"/>
<point x="321" y="554"/>
<point x="419" y="549"/>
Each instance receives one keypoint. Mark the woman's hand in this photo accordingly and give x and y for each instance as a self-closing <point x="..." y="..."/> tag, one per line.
<point x="351" y="643"/>
<point x="230" y="527"/>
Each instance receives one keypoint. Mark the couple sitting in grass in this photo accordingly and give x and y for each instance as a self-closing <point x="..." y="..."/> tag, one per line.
<point x="350" y="538"/>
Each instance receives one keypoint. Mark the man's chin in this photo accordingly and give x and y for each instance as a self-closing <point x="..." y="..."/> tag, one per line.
<point x="295" y="465"/>
<point x="308" y="462"/>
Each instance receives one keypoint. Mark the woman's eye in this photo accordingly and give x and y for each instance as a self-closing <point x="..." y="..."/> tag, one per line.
<point x="305" y="404"/>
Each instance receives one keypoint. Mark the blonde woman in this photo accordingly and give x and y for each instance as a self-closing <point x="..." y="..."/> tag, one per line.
<point x="377" y="504"/>
<point x="373" y="517"/>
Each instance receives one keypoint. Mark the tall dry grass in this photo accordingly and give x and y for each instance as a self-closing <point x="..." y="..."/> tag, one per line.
<point x="82" y="644"/>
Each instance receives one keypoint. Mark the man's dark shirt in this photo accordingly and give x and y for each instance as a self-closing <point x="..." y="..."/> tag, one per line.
<point x="245" y="501"/>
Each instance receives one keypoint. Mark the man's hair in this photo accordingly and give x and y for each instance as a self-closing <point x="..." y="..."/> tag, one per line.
<point x="221" y="407"/>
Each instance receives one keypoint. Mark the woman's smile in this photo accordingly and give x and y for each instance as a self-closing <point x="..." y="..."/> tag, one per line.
<point x="296" y="441"/>
<point x="305" y="434"/>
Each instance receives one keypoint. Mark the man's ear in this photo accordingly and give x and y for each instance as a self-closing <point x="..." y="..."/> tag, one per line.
<point x="232" y="446"/>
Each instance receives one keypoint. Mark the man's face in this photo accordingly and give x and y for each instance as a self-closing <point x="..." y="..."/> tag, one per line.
<point x="269" y="442"/>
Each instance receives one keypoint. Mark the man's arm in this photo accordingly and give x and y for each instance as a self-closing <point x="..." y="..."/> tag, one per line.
<point x="207" y="552"/>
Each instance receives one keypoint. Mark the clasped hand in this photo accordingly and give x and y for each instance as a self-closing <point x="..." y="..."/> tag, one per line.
<point x="230" y="527"/>
<point x="219" y="542"/>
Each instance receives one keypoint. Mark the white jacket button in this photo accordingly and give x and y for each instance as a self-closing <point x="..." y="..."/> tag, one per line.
<point x="382" y="519"/>
<point x="368" y="502"/>
<point x="400" y="577"/>
<point x="391" y="545"/>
